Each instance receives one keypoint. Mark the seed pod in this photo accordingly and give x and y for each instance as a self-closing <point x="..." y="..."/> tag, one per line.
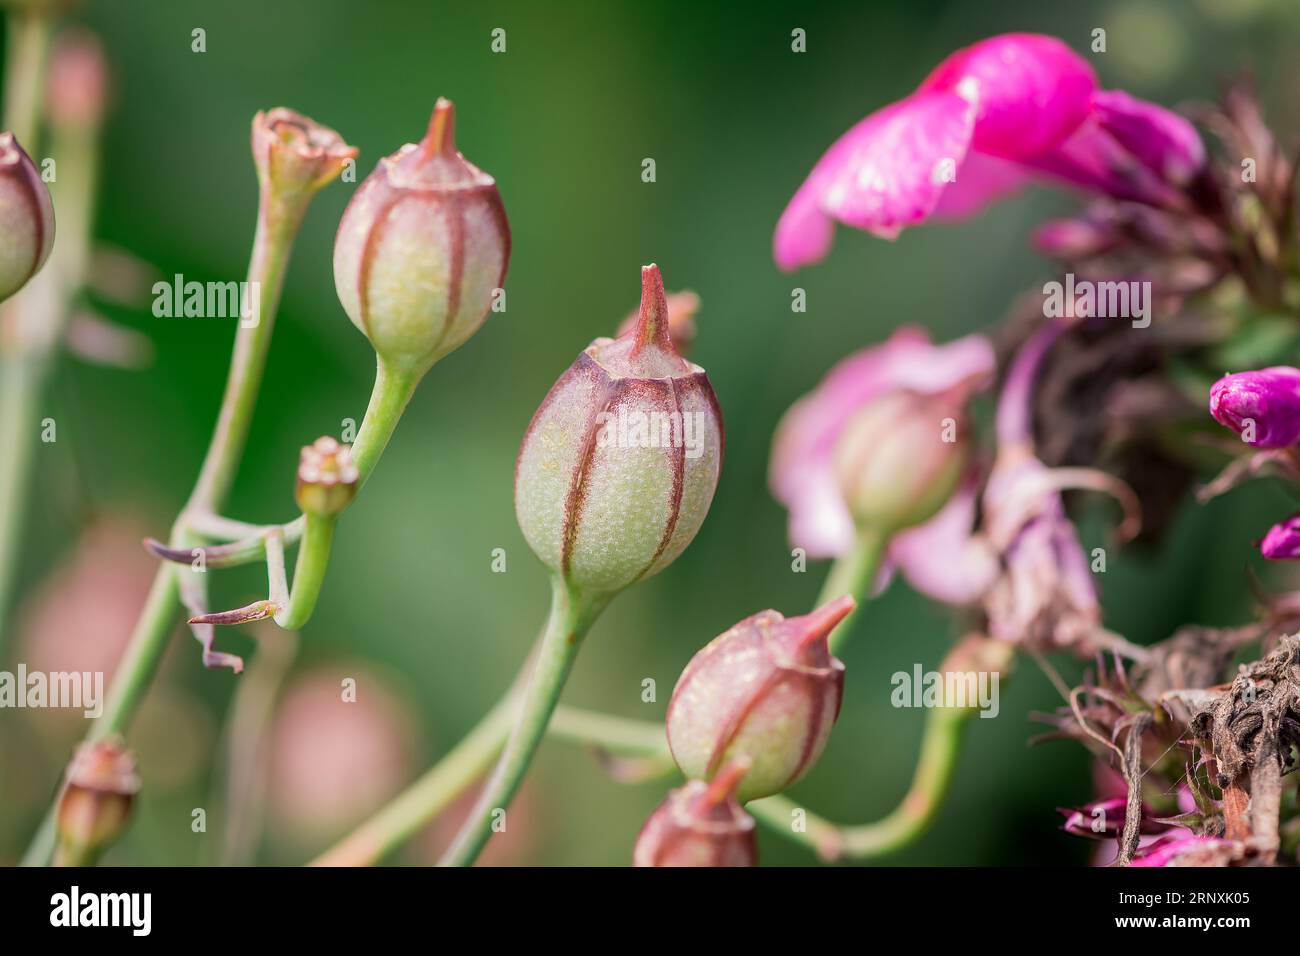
<point x="26" y="218"/>
<point x="327" y="477"/>
<point x="700" y="824"/>
<point x="618" y="467"/>
<point x="95" y="806"/>
<point x="294" y="154"/>
<point x="421" y="248"/>
<point x="768" y="692"/>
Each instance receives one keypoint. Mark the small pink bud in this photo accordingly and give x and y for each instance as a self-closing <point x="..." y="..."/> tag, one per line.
<point x="421" y="249"/>
<point x="700" y="824"/>
<point x="767" y="691"/>
<point x="327" y="477"/>
<point x="901" y="457"/>
<point x="618" y="467"/>
<point x="295" y="154"/>
<point x="95" y="806"/>
<point x="26" y="218"/>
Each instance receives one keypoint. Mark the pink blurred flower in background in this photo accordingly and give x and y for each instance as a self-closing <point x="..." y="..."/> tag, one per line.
<point x="334" y="761"/>
<point x="802" y="472"/>
<point x="987" y="120"/>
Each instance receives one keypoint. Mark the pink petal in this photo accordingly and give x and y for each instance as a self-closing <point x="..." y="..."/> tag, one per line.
<point x="801" y="473"/>
<point x="884" y="174"/>
<point x="981" y="181"/>
<point x="1093" y="159"/>
<point x="1032" y="92"/>
<point x="1161" y="140"/>
<point x="942" y="558"/>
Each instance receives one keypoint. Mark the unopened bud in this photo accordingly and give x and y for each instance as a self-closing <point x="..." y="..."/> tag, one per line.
<point x="1263" y="406"/>
<point x="95" y="806"/>
<point x="619" y="465"/>
<point x="26" y="218"/>
<point x="767" y="692"/>
<point x="700" y="824"/>
<point x="421" y="248"/>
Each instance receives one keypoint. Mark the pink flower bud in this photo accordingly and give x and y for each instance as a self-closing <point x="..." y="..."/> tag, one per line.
<point x="1263" y="406"/>
<point x="26" y="218"/>
<point x="1282" y="543"/>
<point x="421" y="248"/>
<point x="900" y="458"/>
<point x="618" y="467"/>
<point x="700" y="824"/>
<point x="767" y="691"/>
<point x="294" y="154"/>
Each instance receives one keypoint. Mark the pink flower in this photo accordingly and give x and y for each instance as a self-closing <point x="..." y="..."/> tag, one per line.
<point x="1189" y="851"/>
<point x="803" y="474"/>
<point x="987" y="120"/>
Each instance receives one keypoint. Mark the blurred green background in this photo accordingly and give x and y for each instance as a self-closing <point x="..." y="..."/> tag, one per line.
<point x="563" y="119"/>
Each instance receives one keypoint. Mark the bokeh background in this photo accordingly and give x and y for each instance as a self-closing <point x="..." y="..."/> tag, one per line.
<point x="563" y="119"/>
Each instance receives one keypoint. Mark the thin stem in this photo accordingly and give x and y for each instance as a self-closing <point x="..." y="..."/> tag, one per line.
<point x="28" y="49"/>
<point x="570" y="618"/>
<point x="940" y="748"/>
<point x="37" y="317"/>
<point x="277" y="226"/>
<point x="427" y="797"/>
<point x="393" y="389"/>
<point x="309" y="573"/>
<point x="130" y="682"/>
<point x="853" y="574"/>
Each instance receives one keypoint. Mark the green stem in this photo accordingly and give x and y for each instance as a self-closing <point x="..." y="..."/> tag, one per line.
<point x="853" y="574"/>
<point x="35" y="318"/>
<point x="277" y="225"/>
<point x="393" y="389"/>
<point x="130" y="682"/>
<point x="570" y="618"/>
<point x="28" y="48"/>
<point x="407" y="815"/>
<point x="309" y="573"/>
<point x="940" y="748"/>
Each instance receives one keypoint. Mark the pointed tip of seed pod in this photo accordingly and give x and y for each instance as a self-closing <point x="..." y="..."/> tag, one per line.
<point x="441" y="136"/>
<point x="818" y="625"/>
<point x="652" y="320"/>
<point x="726" y="782"/>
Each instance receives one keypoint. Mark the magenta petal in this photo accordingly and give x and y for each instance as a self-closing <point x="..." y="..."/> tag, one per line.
<point x="884" y="174"/>
<point x="942" y="559"/>
<point x="802" y="476"/>
<point x="1032" y="91"/>
<point x="981" y="181"/>
<point x="804" y="232"/>
<point x="1165" y="851"/>
<point x="1094" y="160"/>
<point x="1262" y="406"/>
<point x="1282" y="543"/>
<point x="1163" y="141"/>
